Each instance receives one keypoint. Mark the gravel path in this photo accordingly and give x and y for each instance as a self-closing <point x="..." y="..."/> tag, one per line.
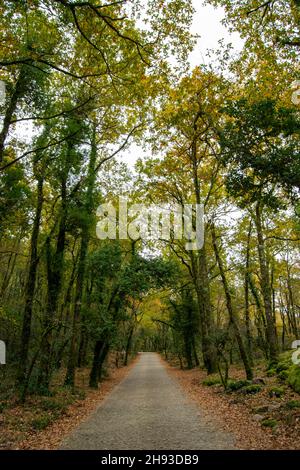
<point x="147" y="411"/>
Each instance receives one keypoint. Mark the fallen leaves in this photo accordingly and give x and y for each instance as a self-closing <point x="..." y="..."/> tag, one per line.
<point x="234" y="413"/>
<point x="51" y="437"/>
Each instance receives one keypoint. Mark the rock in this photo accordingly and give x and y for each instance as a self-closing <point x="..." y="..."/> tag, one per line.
<point x="258" y="418"/>
<point x="235" y="401"/>
<point x="274" y="407"/>
<point x="261" y="409"/>
<point x="258" y="381"/>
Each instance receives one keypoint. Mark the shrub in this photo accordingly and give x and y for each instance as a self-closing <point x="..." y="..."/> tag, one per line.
<point x="41" y="422"/>
<point x="210" y="381"/>
<point x="251" y="389"/>
<point x="81" y="395"/>
<point x="284" y="365"/>
<point x="276" y="392"/>
<point x="52" y="405"/>
<point x="3" y="405"/>
<point x="283" y="375"/>
<point x="237" y="385"/>
<point x="292" y="404"/>
<point x="271" y="373"/>
<point x="294" y="378"/>
<point x="269" y="423"/>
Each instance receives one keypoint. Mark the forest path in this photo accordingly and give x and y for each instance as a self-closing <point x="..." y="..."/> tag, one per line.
<point x="148" y="411"/>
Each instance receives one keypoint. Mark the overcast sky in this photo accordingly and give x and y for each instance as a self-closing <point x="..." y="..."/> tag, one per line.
<point x="207" y="23"/>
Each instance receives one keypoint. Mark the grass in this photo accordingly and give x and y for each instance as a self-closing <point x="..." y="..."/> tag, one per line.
<point x="210" y="381"/>
<point x="277" y="392"/>
<point x="234" y="385"/>
<point x="41" y="422"/>
<point x="293" y="404"/>
<point x="251" y="389"/>
<point x="269" y="423"/>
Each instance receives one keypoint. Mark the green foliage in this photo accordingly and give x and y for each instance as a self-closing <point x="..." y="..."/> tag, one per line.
<point x="261" y="122"/>
<point x="269" y="423"/>
<point x="283" y="375"/>
<point x="3" y="406"/>
<point x="251" y="389"/>
<point x="41" y="422"/>
<point x="80" y="394"/>
<point x="142" y="274"/>
<point x="210" y="381"/>
<point x="237" y="385"/>
<point x="53" y="405"/>
<point x="276" y="392"/>
<point x="293" y="404"/>
<point x="294" y="378"/>
<point x="283" y="366"/>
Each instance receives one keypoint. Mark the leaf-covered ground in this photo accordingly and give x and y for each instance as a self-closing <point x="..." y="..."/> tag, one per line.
<point x="43" y="422"/>
<point x="258" y="421"/>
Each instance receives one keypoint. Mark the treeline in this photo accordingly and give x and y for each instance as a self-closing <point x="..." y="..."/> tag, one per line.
<point x="79" y="78"/>
<point x="83" y="81"/>
<point x="238" y="296"/>
<point x="232" y="144"/>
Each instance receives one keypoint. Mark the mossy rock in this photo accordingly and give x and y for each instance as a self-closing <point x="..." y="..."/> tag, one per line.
<point x="294" y="378"/>
<point x="293" y="404"/>
<point x="269" y="423"/>
<point x="210" y="381"/>
<point x="251" y="389"/>
<point x="234" y="385"/>
<point x="276" y="392"/>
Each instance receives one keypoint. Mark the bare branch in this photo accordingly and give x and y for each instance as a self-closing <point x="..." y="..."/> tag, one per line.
<point x="37" y="149"/>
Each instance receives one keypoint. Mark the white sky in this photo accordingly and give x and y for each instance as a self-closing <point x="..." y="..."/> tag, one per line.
<point x="207" y="24"/>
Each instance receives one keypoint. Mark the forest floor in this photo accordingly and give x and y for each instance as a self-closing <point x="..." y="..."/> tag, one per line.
<point x="43" y="422"/>
<point x="258" y="421"/>
<point x="148" y="401"/>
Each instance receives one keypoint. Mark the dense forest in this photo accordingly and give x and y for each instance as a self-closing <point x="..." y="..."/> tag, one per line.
<point x="87" y="82"/>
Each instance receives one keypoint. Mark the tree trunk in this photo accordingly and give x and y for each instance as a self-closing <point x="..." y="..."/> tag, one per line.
<point x="54" y="281"/>
<point x="128" y="345"/>
<point x="201" y="280"/>
<point x="30" y="285"/>
<point x="15" y="97"/>
<point x="72" y="361"/>
<point x="230" y="308"/>
<point x="99" y="347"/>
<point x="266" y="287"/>
<point x="247" y="304"/>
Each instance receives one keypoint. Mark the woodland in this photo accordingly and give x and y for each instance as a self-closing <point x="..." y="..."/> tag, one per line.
<point x="88" y="82"/>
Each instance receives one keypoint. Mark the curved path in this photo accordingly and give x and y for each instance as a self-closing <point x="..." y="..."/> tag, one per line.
<point x="147" y="411"/>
